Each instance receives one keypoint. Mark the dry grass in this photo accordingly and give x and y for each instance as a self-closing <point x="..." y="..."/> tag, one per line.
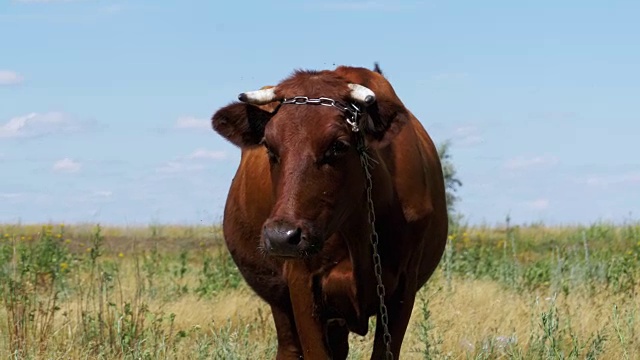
<point x="467" y="321"/>
<point x="173" y="293"/>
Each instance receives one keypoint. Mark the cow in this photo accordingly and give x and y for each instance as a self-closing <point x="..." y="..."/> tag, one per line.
<point x="337" y="211"/>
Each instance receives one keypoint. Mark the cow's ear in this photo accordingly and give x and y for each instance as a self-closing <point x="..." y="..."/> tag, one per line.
<point x="387" y="115"/>
<point x="384" y="121"/>
<point x="242" y="124"/>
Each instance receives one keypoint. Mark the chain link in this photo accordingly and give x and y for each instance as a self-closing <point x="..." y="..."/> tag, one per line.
<point x="353" y="112"/>
<point x="377" y="265"/>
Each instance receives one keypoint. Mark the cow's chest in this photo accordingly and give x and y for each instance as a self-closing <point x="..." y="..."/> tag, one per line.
<point x="336" y="295"/>
<point x="335" y="287"/>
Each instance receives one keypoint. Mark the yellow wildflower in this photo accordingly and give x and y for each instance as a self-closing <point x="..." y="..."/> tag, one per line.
<point x="67" y="241"/>
<point x="64" y="266"/>
<point x="88" y="249"/>
<point x="59" y="236"/>
<point x="22" y="238"/>
<point x="7" y="235"/>
<point x="121" y="255"/>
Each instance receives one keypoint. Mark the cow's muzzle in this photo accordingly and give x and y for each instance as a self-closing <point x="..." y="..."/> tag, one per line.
<point x="286" y="240"/>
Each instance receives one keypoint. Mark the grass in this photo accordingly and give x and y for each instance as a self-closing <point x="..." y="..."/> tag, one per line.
<point x="166" y="292"/>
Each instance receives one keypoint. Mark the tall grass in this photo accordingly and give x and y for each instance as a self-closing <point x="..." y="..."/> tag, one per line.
<point x="165" y="292"/>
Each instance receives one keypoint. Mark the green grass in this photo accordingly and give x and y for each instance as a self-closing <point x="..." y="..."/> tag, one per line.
<point x="165" y="292"/>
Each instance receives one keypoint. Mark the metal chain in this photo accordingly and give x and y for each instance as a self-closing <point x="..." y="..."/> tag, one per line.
<point x="377" y="266"/>
<point x="353" y="113"/>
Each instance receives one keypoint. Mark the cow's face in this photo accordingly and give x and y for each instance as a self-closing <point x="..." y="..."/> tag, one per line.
<point x="315" y="167"/>
<point x="316" y="177"/>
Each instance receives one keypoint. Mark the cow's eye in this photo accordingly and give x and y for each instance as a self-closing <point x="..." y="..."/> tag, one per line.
<point x="273" y="157"/>
<point x="337" y="149"/>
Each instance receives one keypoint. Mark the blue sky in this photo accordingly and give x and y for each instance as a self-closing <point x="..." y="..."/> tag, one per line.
<point x="105" y="105"/>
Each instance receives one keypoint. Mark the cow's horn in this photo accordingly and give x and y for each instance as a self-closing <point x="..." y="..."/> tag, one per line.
<point x="362" y="94"/>
<point x="258" y="97"/>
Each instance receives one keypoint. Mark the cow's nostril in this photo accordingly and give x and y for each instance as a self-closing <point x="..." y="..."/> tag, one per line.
<point x="294" y="236"/>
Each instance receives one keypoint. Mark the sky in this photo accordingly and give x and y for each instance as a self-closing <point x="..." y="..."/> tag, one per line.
<point x="105" y="106"/>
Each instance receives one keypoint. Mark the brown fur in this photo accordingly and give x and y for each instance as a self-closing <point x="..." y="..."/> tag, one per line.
<point x="330" y="290"/>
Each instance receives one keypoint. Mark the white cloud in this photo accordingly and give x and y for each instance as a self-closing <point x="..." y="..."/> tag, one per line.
<point x="192" y="162"/>
<point x="102" y="193"/>
<point x="539" y="204"/>
<point x="467" y="135"/>
<point x="190" y="122"/>
<point x="100" y="196"/>
<point x="466" y="129"/>
<point x="67" y="165"/>
<point x="451" y="76"/>
<point x="112" y="9"/>
<point x="10" y="77"/>
<point x="9" y="196"/>
<point x="207" y="154"/>
<point x="607" y="180"/>
<point x="557" y="115"/>
<point x="36" y="124"/>
<point x="44" y="1"/>
<point x="179" y="166"/>
<point x="362" y="6"/>
<point x="12" y="198"/>
<point x="521" y="163"/>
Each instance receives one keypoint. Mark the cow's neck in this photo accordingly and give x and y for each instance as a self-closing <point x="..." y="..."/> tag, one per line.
<point x="357" y="235"/>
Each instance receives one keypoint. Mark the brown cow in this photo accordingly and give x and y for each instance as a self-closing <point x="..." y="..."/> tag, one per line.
<point x="297" y="220"/>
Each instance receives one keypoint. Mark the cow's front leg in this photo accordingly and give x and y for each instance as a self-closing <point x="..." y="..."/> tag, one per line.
<point x="308" y="324"/>
<point x="337" y="335"/>
<point x="288" y="342"/>
<point x="399" y="309"/>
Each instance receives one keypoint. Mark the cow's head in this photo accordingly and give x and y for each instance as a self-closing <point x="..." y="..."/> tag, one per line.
<point x="316" y="173"/>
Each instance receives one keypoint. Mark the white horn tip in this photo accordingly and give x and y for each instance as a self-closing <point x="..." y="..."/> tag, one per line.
<point x="362" y="94"/>
<point x="369" y="99"/>
<point x="258" y="97"/>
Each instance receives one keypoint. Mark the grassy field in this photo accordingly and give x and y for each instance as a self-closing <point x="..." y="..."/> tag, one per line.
<point x="167" y="292"/>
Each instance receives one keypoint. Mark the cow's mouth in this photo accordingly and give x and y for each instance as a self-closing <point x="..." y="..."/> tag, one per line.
<point x="300" y="251"/>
